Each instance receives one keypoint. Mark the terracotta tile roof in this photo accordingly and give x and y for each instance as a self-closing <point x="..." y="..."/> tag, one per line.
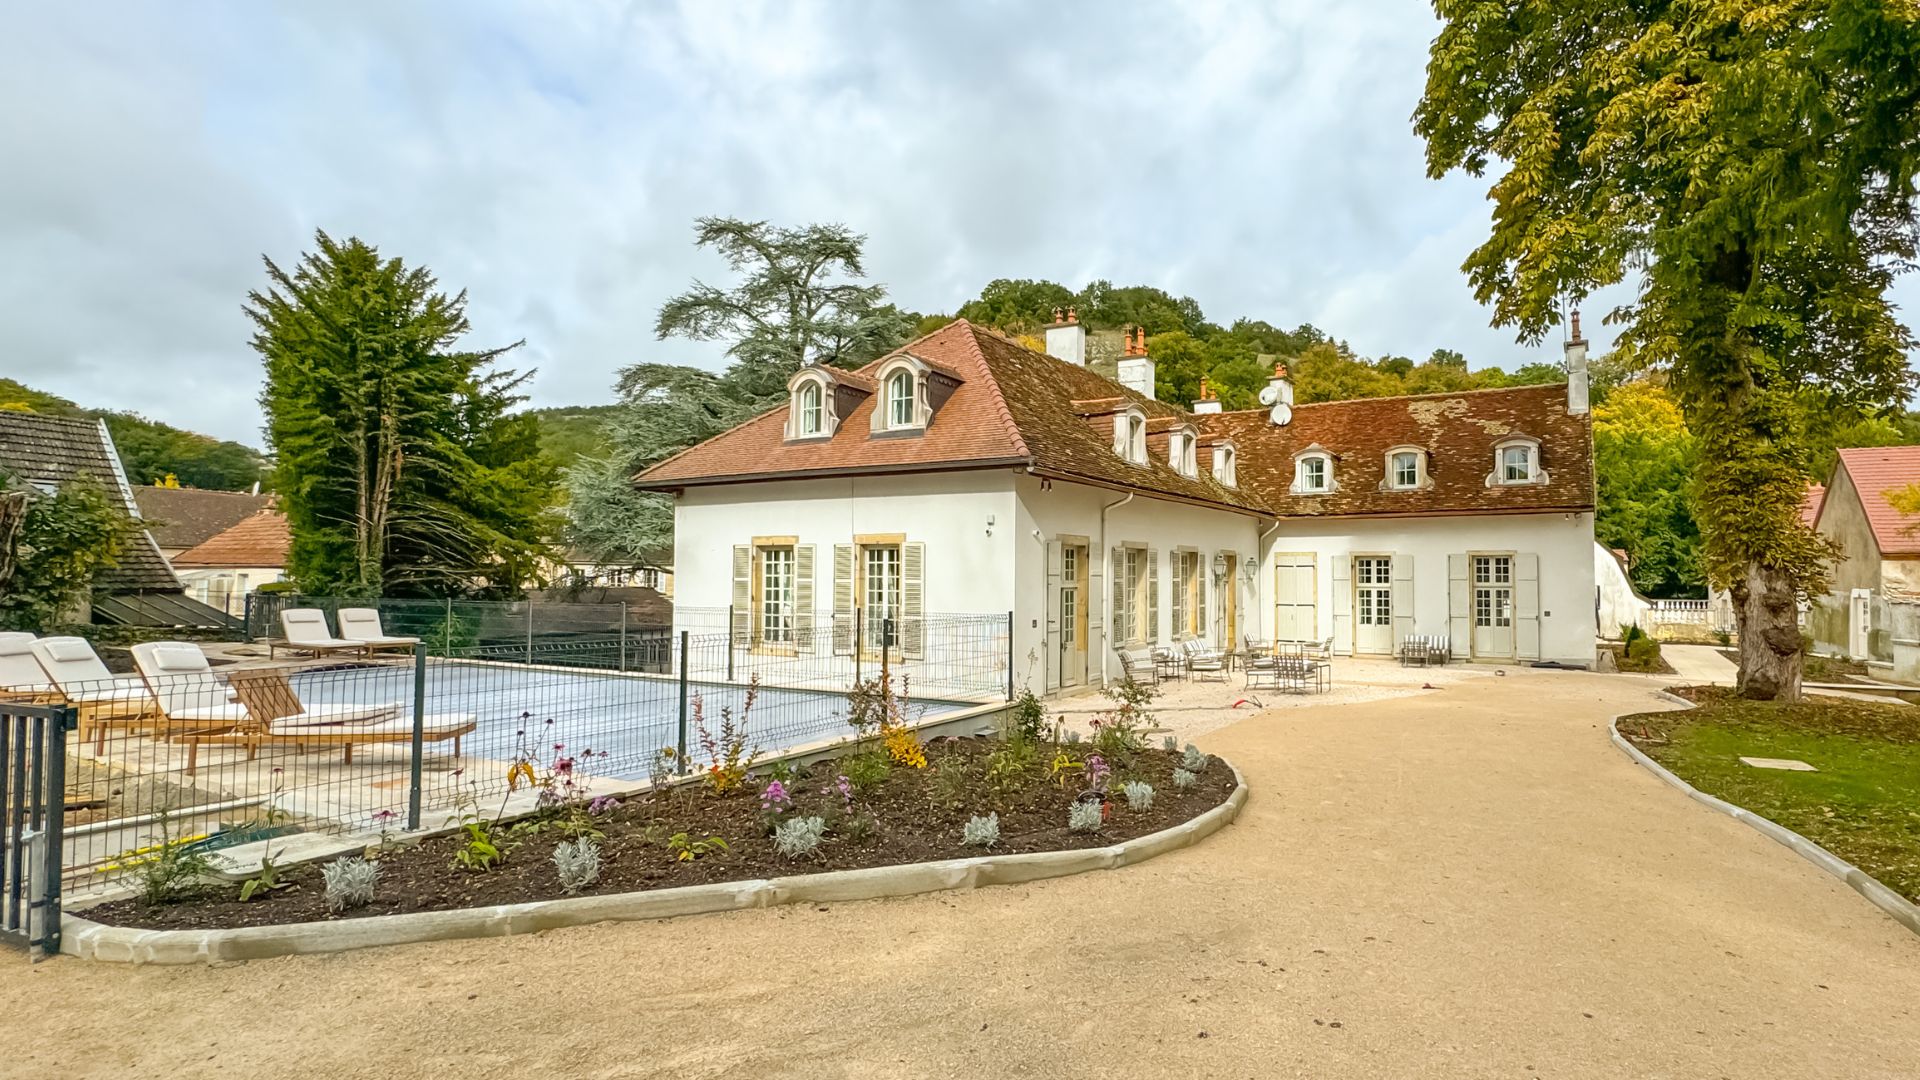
<point x="50" y="451"/>
<point x="1875" y="471"/>
<point x="1458" y="432"/>
<point x="179" y="518"/>
<point x="261" y="539"/>
<point x="1810" y="504"/>
<point x="1018" y="407"/>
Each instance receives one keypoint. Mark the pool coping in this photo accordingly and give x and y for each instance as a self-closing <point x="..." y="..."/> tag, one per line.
<point x="1903" y="911"/>
<point x="85" y="939"/>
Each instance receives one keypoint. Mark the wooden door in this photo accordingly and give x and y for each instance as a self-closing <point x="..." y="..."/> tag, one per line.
<point x="1295" y="597"/>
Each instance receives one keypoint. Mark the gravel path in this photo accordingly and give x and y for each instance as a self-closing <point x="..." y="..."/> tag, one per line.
<point x="1466" y="882"/>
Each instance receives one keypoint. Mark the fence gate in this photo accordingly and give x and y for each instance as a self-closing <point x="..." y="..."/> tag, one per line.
<point x="33" y="783"/>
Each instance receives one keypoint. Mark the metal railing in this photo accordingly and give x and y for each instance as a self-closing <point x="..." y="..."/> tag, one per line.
<point x="33" y="804"/>
<point x="229" y="759"/>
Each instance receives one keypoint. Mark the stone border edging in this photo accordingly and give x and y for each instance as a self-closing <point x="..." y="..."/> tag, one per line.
<point x="90" y="940"/>
<point x="1902" y="910"/>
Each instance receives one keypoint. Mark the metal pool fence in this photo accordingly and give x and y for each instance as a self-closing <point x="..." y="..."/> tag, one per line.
<point x="212" y="758"/>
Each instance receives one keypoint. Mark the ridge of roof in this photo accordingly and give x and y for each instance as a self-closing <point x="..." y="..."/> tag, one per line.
<point x="1297" y="406"/>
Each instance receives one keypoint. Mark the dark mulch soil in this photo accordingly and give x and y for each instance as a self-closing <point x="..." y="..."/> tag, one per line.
<point x="917" y="815"/>
<point x="1656" y="666"/>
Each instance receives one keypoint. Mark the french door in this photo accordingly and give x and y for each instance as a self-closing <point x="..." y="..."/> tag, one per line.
<point x="1493" y="607"/>
<point x="1073" y="615"/>
<point x="1373" y="604"/>
<point x="880" y="593"/>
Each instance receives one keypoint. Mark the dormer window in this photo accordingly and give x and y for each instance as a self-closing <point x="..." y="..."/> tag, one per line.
<point x="810" y="410"/>
<point x="1183" y="452"/>
<point x="900" y="399"/>
<point x="1130" y="436"/>
<point x="1225" y="468"/>
<point x="811" y="405"/>
<point x="1406" y="469"/>
<point x="1313" y="471"/>
<point x="1516" y="461"/>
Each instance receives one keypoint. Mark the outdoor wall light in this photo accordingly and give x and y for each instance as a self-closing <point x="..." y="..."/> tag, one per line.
<point x="1219" y="565"/>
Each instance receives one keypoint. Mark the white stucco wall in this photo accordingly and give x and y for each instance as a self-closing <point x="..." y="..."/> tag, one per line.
<point x="1050" y="511"/>
<point x="1562" y="542"/>
<point x="1620" y="605"/>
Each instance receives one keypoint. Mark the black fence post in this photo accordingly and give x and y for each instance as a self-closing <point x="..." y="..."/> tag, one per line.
<point x="52" y="834"/>
<point x="1009" y="656"/>
<point x="623" y="635"/>
<point x="729" y="642"/>
<point x="682" y="759"/>
<point x="886" y="649"/>
<point x="859" y="641"/>
<point x="246" y="618"/>
<point x="418" y="749"/>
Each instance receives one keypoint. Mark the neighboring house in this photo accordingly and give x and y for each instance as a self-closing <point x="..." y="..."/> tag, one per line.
<point x="180" y="518"/>
<point x="964" y="473"/>
<point x="49" y="452"/>
<point x="224" y="569"/>
<point x="580" y="571"/>
<point x="1879" y="551"/>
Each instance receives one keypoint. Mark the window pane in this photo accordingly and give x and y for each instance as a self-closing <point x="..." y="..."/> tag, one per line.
<point x="1406" y="470"/>
<point x="900" y="400"/>
<point x="1516" y="463"/>
<point x="776" y="594"/>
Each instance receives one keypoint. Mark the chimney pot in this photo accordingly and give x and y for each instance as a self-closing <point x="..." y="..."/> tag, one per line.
<point x="1057" y="319"/>
<point x="1576" y="325"/>
<point x="1073" y="316"/>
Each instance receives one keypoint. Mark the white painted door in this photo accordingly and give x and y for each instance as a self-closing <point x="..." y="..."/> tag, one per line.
<point x="1860" y="625"/>
<point x="1072" y="615"/>
<point x="1294" y="598"/>
<point x="1373" y="604"/>
<point x="1493" y="607"/>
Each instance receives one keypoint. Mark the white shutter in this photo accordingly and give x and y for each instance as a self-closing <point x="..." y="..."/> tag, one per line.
<point x="1526" y="604"/>
<point x="1181" y="584"/>
<point x="1095" y="601"/>
<point x="1152" y="635"/>
<point x="1459" y="605"/>
<point x="843" y="599"/>
<point x="913" y="628"/>
<point x="742" y="593"/>
<point x="803" y="599"/>
<point x="1050" y="648"/>
<point x="1402" y="599"/>
<point x="1343" y="603"/>
<point x="1205" y="571"/>
<point x="1122" y="623"/>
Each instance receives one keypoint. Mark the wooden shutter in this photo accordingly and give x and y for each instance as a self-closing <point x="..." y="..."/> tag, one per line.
<point x="1122" y="624"/>
<point x="742" y="594"/>
<point x="1204" y="571"/>
<point x="1402" y="599"/>
<point x="1181" y="583"/>
<point x="1526" y="606"/>
<point x="1343" y="603"/>
<point x="913" y="626"/>
<point x="1152" y="634"/>
<point x="1096" y="600"/>
<point x="1459" y="605"/>
<point x="1050" y="648"/>
<point x="803" y="599"/>
<point x="843" y="599"/>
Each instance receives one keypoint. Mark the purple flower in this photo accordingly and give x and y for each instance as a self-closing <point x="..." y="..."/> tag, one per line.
<point x="774" y="797"/>
<point x="603" y="804"/>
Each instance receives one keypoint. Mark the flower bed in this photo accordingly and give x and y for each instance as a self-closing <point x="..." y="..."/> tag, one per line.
<point x="888" y="801"/>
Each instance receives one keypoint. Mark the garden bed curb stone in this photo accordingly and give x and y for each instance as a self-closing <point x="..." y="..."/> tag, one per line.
<point x="1903" y="911"/>
<point x="84" y="938"/>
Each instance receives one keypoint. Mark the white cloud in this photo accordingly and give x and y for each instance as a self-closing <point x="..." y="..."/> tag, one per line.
<point x="551" y="160"/>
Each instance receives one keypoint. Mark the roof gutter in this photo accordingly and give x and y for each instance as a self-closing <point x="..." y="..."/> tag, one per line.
<point x="640" y="482"/>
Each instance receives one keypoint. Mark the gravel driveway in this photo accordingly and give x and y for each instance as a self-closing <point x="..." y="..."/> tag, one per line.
<point x="1466" y="882"/>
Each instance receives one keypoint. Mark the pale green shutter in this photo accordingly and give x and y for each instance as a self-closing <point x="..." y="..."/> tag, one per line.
<point x="913" y="628"/>
<point x="1526" y="606"/>
<point x="803" y="599"/>
<point x="1050" y="657"/>
<point x="1459" y="605"/>
<point x="1122" y="624"/>
<point x="1204" y="572"/>
<point x="1402" y="599"/>
<point x="1343" y="603"/>
<point x="742" y="593"/>
<point x="843" y="599"/>
<point x="1152" y="635"/>
<point x="1180" y="585"/>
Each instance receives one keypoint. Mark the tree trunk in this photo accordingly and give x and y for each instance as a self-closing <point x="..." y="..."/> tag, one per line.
<point x="1767" y="613"/>
<point x="13" y="514"/>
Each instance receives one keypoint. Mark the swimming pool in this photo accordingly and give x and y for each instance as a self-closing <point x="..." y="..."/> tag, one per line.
<point x="629" y="717"/>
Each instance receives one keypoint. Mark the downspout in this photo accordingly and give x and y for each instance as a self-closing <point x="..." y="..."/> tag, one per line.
<point x="1106" y="594"/>
<point x="1259" y="548"/>
<point x="1045" y="603"/>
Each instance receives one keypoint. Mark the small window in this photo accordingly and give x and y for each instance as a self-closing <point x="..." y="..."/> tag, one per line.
<point x="1183" y="453"/>
<point x="1406" y="469"/>
<point x="1225" y="469"/>
<point x="811" y="410"/>
<point x="1130" y="437"/>
<point x="1313" y="473"/>
<point x="1516" y="464"/>
<point x="900" y="402"/>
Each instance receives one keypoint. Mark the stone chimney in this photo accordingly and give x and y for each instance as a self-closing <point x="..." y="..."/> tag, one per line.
<point x="1067" y="339"/>
<point x="1280" y="387"/>
<point x="1136" y="368"/>
<point x="1207" y="403"/>
<point x="1576" y="368"/>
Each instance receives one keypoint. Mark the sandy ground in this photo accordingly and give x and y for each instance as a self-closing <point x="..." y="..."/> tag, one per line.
<point x="1466" y="882"/>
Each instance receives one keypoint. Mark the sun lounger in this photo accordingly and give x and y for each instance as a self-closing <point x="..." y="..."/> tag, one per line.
<point x="81" y="679"/>
<point x="1138" y="667"/>
<point x="306" y="631"/>
<point x="363" y="625"/>
<point x="22" y="679"/>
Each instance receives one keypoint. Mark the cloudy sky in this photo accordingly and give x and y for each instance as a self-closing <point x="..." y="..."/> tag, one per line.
<point x="551" y="158"/>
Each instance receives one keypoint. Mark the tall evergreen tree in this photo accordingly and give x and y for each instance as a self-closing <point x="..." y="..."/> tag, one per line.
<point x="1752" y="162"/>
<point x="798" y="299"/>
<point x="399" y="466"/>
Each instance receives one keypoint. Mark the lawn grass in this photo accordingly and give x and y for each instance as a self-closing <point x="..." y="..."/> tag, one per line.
<point x="1864" y="802"/>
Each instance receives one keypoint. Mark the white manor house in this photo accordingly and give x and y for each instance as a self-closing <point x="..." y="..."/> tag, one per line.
<point x="966" y="473"/>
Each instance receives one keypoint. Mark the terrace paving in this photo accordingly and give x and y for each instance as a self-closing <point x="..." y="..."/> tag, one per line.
<point x="1463" y="882"/>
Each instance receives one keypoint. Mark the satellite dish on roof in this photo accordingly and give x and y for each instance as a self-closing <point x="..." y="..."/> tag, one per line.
<point x="1269" y="394"/>
<point x="1281" y="415"/>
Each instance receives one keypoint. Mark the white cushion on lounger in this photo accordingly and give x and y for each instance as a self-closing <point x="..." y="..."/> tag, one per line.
<point x="73" y="666"/>
<point x="431" y="724"/>
<point x="18" y="668"/>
